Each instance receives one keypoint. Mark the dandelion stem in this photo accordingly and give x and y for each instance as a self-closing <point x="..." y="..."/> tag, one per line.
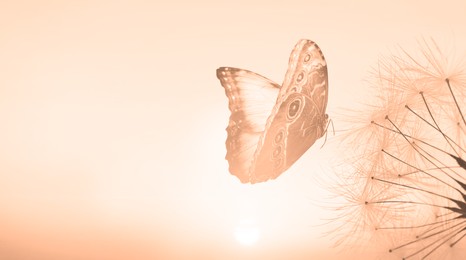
<point x="406" y="202"/>
<point x="446" y="136"/>
<point x="426" y="237"/>
<point x="423" y="190"/>
<point x="417" y="139"/>
<point x="420" y="170"/>
<point x="456" y="102"/>
<point x="435" y="122"/>
<point x="421" y="226"/>
<point x="444" y="166"/>
<point x="458" y="240"/>
<point x="460" y="161"/>
<point x="430" y="161"/>
<point x="444" y="241"/>
<point x="429" y="231"/>
<point x="429" y="169"/>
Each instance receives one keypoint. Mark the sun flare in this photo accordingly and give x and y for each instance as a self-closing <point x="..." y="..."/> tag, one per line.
<point x="247" y="233"/>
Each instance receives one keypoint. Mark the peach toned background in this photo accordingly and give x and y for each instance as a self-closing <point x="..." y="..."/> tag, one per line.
<point x="112" y="122"/>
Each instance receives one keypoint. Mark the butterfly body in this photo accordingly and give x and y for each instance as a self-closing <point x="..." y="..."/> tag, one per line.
<point x="272" y="126"/>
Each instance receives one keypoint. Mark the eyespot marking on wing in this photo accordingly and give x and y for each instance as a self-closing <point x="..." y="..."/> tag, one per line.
<point x="307" y="57"/>
<point x="294" y="108"/>
<point x="300" y="76"/>
<point x="279" y="136"/>
<point x="277" y="151"/>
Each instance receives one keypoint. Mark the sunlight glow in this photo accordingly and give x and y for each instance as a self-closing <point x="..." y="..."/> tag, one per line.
<point x="247" y="233"/>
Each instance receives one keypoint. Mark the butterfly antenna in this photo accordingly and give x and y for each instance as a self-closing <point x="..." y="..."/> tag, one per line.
<point x="330" y="121"/>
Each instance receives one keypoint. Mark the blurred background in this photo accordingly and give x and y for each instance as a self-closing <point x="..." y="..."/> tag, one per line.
<point x="112" y="136"/>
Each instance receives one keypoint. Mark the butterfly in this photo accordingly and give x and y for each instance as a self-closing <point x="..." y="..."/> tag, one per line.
<point x="272" y="126"/>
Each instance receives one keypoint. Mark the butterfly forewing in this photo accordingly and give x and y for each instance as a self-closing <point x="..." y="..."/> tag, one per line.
<point x="294" y="121"/>
<point x="251" y="97"/>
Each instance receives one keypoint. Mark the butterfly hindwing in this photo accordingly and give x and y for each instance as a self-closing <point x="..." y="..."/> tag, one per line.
<point x="251" y="97"/>
<point x="299" y="112"/>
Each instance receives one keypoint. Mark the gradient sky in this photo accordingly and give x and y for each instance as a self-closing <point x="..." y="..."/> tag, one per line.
<point x="112" y="141"/>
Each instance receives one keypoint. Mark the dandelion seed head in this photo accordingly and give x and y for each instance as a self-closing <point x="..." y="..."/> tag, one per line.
<point x="406" y="189"/>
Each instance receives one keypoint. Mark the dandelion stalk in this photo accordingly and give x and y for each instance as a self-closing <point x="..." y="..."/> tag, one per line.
<point x="454" y="99"/>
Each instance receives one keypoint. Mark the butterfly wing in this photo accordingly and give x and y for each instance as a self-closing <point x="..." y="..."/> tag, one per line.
<point x="298" y="118"/>
<point x="251" y="98"/>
